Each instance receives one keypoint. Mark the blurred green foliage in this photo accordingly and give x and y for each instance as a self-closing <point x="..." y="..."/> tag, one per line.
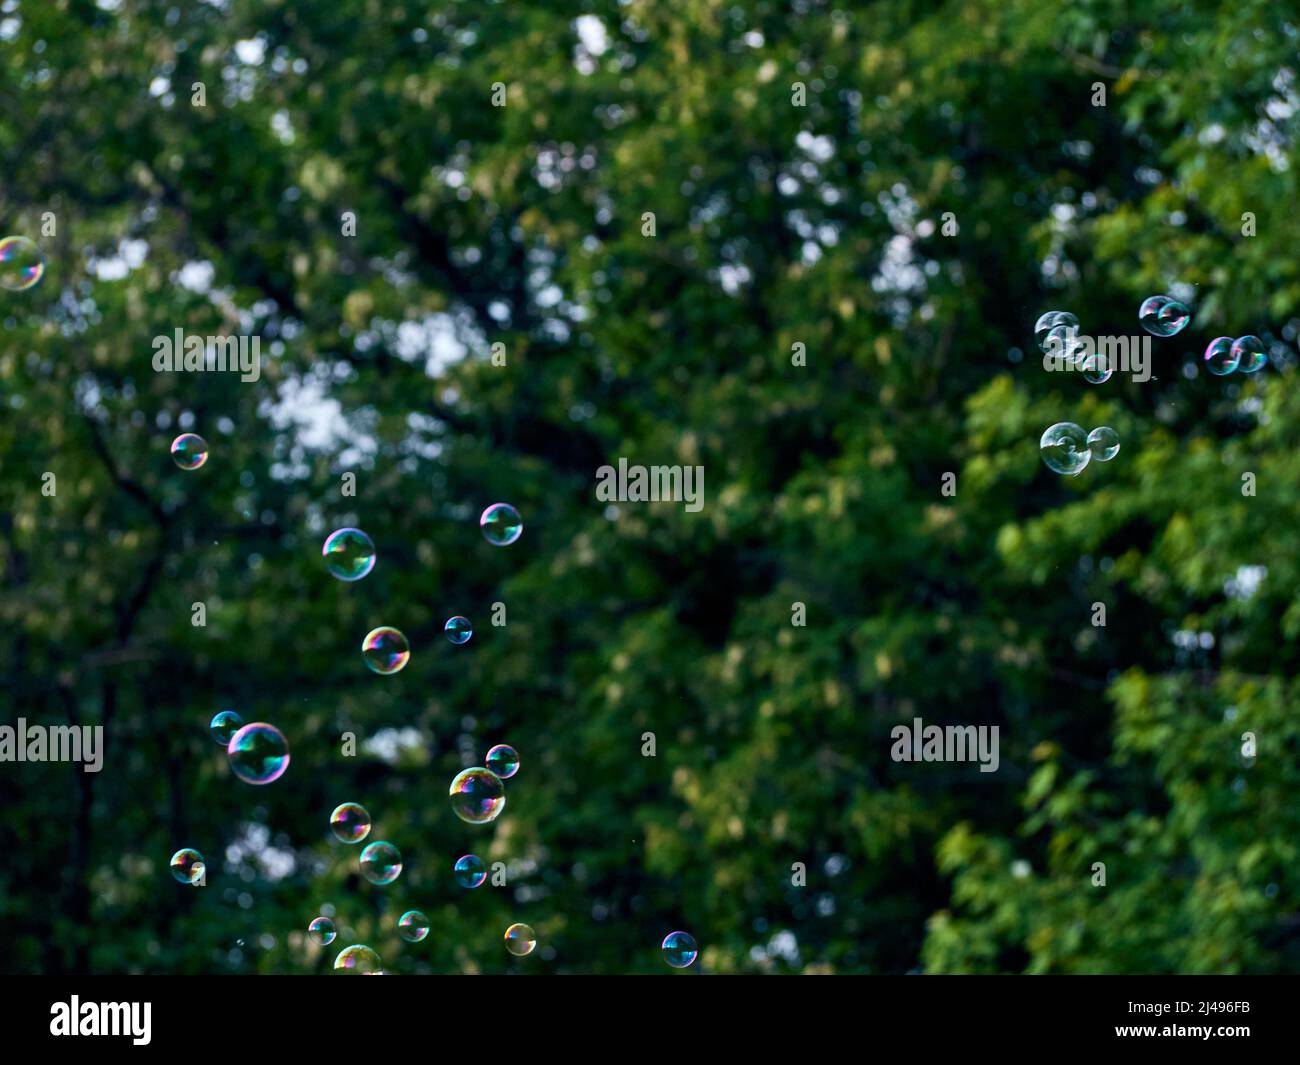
<point x="775" y="225"/>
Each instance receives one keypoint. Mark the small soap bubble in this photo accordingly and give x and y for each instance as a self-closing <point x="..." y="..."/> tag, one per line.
<point x="21" y="264"/>
<point x="385" y="650"/>
<point x="381" y="862"/>
<point x="1063" y="320"/>
<point x="189" y="451"/>
<point x="501" y="524"/>
<point x="1249" y="351"/>
<point x="1221" y="357"/>
<point x="1163" y="316"/>
<point x="350" y="822"/>
<point x="1097" y="369"/>
<point x="520" y="939"/>
<point x="322" y="931"/>
<point x="1064" y="448"/>
<point x="679" y="949"/>
<point x="359" y="960"/>
<point x="187" y="866"/>
<point x="349" y="554"/>
<point x="1063" y="342"/>
<point x="1103" y="442"/>
<point x="258" y="753"/>
<point x="477" y="795"/>
<point x="413" y="926"/>
<point x="224" y="726"/>
<point x="458" y="629"/>
<point x="470" y="872"/>
<point x="503" y="760"/>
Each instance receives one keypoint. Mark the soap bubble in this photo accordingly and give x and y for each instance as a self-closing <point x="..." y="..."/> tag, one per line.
<point x="1063" y="320"/>
<point x="679" y="949"/>
<point x="413" y="926"/>
<point x="349" y="554"/>
<point x="1064" y="448"/>
<point x="458" y="629"/>
<point x="1103" y="442"/>
<point x="1249" y="351"/>
<point x="21" y="264"/>
<point x="1163" y="316"/>
<point x="381" y="862"/>
<point x="322" y="931"/>
<point x="503" y="760"/>
<point x="1221" y="357"/>
<point x="187" y="866"/>
<point x="224" y="726"/>
<point x="189" y="451"/>
<point x="258" y="753"/>
<point x="1097" y="369"/>
<point x="477" y="795"/>
<point x="520" y="939"/>
<point x="350" y="822"/>
<point x="359" y="959"/>
<point x="469" y="870"/>
<point x="1063" y="342"/>
<point x="501" y="524"/>
<point x="385" y="650"/>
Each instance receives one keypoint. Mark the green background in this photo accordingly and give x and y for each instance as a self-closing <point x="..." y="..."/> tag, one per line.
<point x="775" y="225"/>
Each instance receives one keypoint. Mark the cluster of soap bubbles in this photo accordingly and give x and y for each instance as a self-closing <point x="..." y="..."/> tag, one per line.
<point x="1245" y="354"/>
<point x="1057" y="332"/>
<point x="1067" y="449"/>
<point x="478" y="794"/>
<point x="21" y="264"/>
<point x="258" y="752"/>
<point x="1163" y="316"/>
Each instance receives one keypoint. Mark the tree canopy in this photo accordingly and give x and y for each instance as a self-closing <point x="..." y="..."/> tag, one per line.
<point x="490" y="247"/>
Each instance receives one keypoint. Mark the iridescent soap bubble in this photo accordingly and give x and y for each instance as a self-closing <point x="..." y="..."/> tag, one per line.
<point x="322" y="931"/>
<point x="189" y="451"/>
<point x="385" y="650"/>
<point x="413" y="926"/>
<point x="1063" y="342"/>
<point x="1250" y="353"/>
<point x="477" y="795"/>
<point x="1053" y="320"/>
<point x="1097" y="369"/>
<point x="224" y="726"/>
<point x="1221" y="356"/>
<point x="503" y="760"/>
<point x="1064" y="448"/>
<point x="501" y="524"/>
<point x="21" y="264"/>
<point x="350" y="822"/>
<point x="258" y="753"/>
<point x="520" y="939"/>
<point x="187" y="865"/>
<point x="1103" y="442"/>
<point x="679" y="949"/>
<point x="458" y="629"/>
<point x="381" y="862"/>
<point x="349" y="554"/>
<point x="1163" y="316"/>
<point x="359" y="960"/>
<point x="470" y="871"/>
